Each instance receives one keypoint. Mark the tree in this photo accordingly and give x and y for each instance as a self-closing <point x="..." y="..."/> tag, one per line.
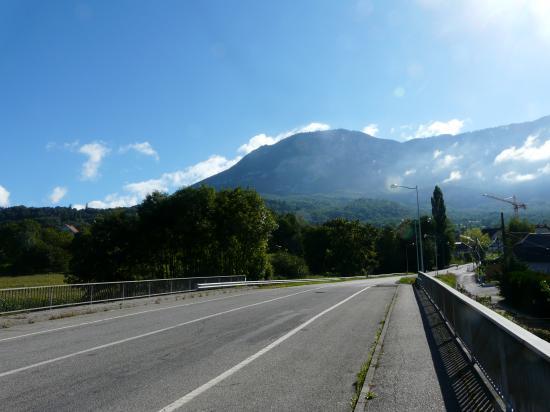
<point x="288" y="235"/>
<point x="341" y="247"/>
<point x="193" y="232"/>
<point x="443" y="228"/>
<point x="288" y="265"/>
<point x="26" y="247"/>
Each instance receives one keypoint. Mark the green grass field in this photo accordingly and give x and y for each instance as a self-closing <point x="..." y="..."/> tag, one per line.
<point x="31" y="280"/>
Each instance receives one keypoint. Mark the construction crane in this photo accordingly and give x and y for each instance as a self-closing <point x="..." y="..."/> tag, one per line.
<point x="512" y="200"/>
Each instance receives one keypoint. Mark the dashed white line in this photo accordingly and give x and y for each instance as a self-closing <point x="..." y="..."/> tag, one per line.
<point x="118" y="317"/>
<point x="154" y="332"/>
<point x="193" y="394"/>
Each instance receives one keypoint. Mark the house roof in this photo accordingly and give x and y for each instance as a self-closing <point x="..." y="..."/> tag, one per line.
<point x="462" y="247"/>
<point x="72" y="229"/>
<point x="535" y="247"/>
<point x="491" y="231"/>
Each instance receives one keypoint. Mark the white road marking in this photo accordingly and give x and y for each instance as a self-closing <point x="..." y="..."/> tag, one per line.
<point x="193" y="394"/>
<point x="119" y="317"/>
<point x="154" y="332"/>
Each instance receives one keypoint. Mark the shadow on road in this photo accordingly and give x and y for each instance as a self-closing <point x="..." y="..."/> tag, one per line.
<point x="462" y="388"/>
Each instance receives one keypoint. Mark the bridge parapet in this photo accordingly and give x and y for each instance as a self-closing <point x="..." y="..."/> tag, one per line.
<point x="516" y="362"/>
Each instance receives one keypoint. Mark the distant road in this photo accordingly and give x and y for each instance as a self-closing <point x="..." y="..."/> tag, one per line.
<point x="466" y="277"/>
<point x="288" y="349"/>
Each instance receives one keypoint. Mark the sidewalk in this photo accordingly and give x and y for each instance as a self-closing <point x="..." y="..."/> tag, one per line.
<point x="421" y="368"/>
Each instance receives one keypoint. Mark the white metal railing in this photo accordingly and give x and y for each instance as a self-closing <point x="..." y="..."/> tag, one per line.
<point x="15" y="300"/>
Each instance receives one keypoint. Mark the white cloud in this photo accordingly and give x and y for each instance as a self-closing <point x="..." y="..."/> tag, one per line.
<point x="144" y="148"/>
<point x="514" y="177"/>
<point x="114" y="200"/>
<point x="371" y="129"/>
<point x="57" y="194"/>
<point x="448" y="160"/>
<point x="545" y="170"/>
<point x="146" y="187"/>
<point x="96" y="152"/>
<point x="529" y="152"/>
<point x="453" y="177"/>
<point x="264" y="140"/>
<point x="192" y="174"/>
<point x="78" y="206"/>
<point x="257" y="141"/>
<point x="437" y="153"/>
<point x="453" y="126"/>
<point x="4" y="197"/>
<point x="399" y="92"/>
<point x="410" y="172"/>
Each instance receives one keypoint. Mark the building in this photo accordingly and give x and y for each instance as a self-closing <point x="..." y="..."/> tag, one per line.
<point x="462" y="250"/>
<point x="534" y="251"/>
<point x="495" y="234"/>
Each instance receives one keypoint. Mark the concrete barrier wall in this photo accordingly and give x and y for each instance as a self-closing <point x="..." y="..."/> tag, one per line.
<point x="513" y="359"/>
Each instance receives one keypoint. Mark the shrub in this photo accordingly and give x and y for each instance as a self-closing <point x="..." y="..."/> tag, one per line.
<point x="285" y="264"/>
<point x="527" y="290"/>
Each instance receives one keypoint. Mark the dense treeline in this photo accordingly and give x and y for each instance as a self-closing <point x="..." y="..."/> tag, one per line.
<point x="194" y="232"/>
<point x="50" y="216"/>
<point x="524" y="289"/>
<point x="26" y="247"/>
<point x="201" y="232"/>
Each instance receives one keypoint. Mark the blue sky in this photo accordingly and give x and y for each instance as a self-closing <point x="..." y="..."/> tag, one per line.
<point x="104" y="101"/>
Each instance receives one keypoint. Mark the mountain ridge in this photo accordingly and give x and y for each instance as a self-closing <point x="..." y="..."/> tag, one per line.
<point x="341" y="162"/>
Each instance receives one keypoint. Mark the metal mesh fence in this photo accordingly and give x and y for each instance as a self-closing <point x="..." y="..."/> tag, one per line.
<point x="516" y="362"/>
<point x="43" y="297"/>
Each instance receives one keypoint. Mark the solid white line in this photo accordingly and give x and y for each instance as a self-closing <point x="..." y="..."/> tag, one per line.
<point x="154" y="332"/>
<point x="119" y="317"/>
<point x="193" y="394"/>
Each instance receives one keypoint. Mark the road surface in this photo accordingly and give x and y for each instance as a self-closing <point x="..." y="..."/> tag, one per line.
<point x="466" y="277"/>
<point x="288" y="349"/>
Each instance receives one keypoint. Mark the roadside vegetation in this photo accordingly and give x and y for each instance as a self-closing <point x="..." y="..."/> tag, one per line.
<point x="31" y="280"/>
<point x="449" y="279"/>
<point x="362" y="374"/>
<point x="202" y="232"/>
<point x="407" y="280"/>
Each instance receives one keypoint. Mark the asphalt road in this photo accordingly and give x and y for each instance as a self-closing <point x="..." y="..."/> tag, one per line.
<point x="466" y="277"/>
<point x="288" y="349"/>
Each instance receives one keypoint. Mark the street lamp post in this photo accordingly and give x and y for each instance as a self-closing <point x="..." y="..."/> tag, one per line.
<point x="394" y="186"/>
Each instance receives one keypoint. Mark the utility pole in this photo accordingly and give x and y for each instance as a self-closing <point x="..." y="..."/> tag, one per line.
<point x="417" y="255"/>
<point x="407" y="256"/>
<point x="504" y="251"/>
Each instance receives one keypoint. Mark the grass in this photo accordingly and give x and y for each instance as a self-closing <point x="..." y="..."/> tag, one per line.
<point x="449" y="279"/>
<point x="407" y="280"/>
<point x="361" y="376"/>
<point x="31" y="280"/>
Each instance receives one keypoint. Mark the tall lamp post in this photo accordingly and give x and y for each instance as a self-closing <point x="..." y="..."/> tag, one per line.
<point x="394" y="186"/>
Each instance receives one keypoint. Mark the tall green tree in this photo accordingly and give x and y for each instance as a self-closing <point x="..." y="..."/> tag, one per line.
<point x="443" y="228"/>
<point x="341" y="247"/>
<point x="193" y="232"/>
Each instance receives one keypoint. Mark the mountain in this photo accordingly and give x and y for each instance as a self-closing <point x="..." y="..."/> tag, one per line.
<point x="506" y="160"/>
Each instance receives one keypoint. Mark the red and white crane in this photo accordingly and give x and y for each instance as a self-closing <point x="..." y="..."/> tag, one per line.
<point x="511" y="200"/>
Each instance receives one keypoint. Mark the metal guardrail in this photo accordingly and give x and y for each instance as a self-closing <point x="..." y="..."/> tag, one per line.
<point x="256" y="283"/>
<point x="516" y="362"/>
<point x="15" y="300"/>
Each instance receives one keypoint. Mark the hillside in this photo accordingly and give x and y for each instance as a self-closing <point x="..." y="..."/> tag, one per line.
<point x="506" y="160"/>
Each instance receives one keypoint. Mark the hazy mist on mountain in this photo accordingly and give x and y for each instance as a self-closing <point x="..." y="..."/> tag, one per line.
<point x="505" y="160"/>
